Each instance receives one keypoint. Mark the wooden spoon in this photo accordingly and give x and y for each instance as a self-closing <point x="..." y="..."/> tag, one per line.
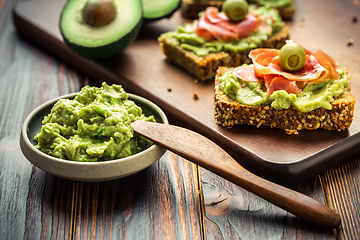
<point x="205" y="153"/>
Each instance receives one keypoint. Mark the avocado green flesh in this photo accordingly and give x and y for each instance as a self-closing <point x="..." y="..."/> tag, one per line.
<point x="185" y="37"/>
<point x="313" y="96"/>
<point x="154" y="9"/>
<point x="271" y="3"/>
<point x="112" y="38"/>
<point x="94" y="126"/>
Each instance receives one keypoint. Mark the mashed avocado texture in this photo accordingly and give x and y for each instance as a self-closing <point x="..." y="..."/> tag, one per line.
<point x="94" y="126"/>
<point x="313" y="96"/>
<point x="188" y="40"/>
<point x="271" y="3"/>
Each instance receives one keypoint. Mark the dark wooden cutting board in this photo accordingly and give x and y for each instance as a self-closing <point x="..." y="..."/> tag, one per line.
<point x="142" y="69"/>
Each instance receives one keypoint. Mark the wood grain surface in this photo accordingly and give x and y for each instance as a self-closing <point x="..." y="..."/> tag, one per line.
<point x="192" y="202"/>
<point x="205" y="153"/>
<point x="160" y="202"/>
<point x="232" y="213"/>
<point x="142" y="69"/>
<point x="341" y="188"/>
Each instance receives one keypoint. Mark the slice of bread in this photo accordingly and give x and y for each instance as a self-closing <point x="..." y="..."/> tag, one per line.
<point x="229" y="112"/>
<point x="204" y="67"/>
<point x="191" y="9"/>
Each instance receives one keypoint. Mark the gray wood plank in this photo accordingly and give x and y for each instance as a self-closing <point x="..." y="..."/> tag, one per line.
<point x="234" y="213"/>
<point x="160" y="202"/>
<point x="342" y="186"/>
<point x="33" y="204"/>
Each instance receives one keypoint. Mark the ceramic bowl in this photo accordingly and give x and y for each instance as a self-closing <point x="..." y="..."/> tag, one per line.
<point x="88" y="171"/>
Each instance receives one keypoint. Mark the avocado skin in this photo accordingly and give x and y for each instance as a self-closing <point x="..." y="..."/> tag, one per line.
<point x="105" y="51"/>
<point x="168" y="15"/>
<point x="69" y="18"/>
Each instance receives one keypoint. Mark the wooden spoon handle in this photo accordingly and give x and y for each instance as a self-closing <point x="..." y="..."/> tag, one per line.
<point x="205" y="153"/>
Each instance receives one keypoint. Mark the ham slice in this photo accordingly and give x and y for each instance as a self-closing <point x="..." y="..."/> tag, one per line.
<point x="329" y="63"/>
<point x="247" y="73"/>
<point x="274" y="83"/>
<point x="267" y="62"/>
<point x="318" y="67"/>
<point x="214" y="25"/>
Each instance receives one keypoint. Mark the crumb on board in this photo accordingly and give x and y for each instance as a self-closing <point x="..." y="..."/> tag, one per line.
<point x="169" y="89"/>
<point x="354" y="19"/>
<point x="195" y="96"/>
<point x="350" y="42"/>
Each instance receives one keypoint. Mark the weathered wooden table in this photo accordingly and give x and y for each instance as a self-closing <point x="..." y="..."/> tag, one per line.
<point x="172" y="199"/>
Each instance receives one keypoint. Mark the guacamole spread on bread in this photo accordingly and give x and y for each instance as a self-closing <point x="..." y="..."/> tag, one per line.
<point x="94" y="126"/>
<point x="271" y="3"/>
<point x="313" y="96"/>
<point x="186" y="38"/>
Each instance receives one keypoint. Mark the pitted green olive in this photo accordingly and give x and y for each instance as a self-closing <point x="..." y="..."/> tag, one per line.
<point x="292" y="57"/>
<point x="235" y="10"/>
<point x="98" y="13"/>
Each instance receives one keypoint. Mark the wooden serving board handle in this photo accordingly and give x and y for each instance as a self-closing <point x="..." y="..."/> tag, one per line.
<point x="205" y="153"/>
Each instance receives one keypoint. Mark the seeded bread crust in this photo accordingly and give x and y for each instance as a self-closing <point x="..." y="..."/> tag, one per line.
<point x="229" y="112"/>
<point x="190" y="9"/>
<point x="204" y="67"/>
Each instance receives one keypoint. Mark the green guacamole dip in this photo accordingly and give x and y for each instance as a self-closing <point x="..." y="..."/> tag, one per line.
<point x="188" y="40"/>
<point x="313" y="96"/>
<point x="94" y="126"/>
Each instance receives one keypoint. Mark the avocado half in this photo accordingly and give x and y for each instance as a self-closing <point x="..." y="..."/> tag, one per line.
<point x="105" y="41"/>
<point x="158" y="9"/>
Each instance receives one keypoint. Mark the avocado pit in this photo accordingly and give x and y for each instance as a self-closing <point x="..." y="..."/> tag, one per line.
<point x="98" y="13"/>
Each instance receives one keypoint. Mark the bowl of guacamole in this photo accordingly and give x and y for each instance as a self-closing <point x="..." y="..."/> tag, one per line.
<point x="87" y="136"/>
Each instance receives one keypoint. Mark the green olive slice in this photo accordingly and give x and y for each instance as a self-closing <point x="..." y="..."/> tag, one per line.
<point x="98" y="13"/>
<point x="292" y="57"/>
<point x="235" y="10"/>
